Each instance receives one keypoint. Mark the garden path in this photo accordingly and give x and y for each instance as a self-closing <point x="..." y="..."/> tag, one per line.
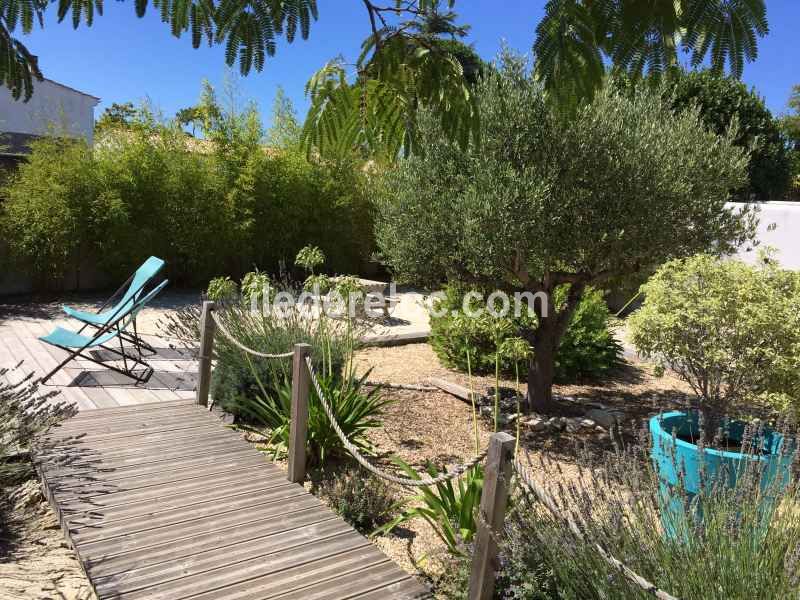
<point x="161" y="501"/>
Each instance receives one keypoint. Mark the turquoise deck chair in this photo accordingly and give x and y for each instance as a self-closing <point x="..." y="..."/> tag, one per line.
<point x="116" y="325"/>
<point x="130" y="292"/>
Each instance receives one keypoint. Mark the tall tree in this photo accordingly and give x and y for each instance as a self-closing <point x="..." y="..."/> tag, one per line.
<point x="285" y="129"/>
<point x="724" y="100"/>
<point x="116" y="115"/>
<point x="550" y="205"/>
<point x="790" y="122"/>
<point x="191" y="115"/>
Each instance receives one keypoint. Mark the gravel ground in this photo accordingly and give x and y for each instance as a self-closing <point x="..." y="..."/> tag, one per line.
<point x="435" y="426"/>
<point x="35" y="559"/>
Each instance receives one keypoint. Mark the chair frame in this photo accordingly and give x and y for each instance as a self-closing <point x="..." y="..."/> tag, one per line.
<point x="135" y="338"/>
<point x="115" y="322"/>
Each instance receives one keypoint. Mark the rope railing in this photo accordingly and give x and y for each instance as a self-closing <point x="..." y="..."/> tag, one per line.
<point x="228" y="336"/>
<point x="547" y="500"/>
<point x="500" y="462"/>
<point x="425" y="481"/>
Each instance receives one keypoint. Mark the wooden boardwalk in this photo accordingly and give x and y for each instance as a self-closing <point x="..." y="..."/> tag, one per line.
<point x="161" y="501"/>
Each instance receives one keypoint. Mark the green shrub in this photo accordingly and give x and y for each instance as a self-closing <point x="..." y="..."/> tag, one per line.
<point x="360" y="498"/>
<point x="222" y="288"/>
<point x="254" y="285"/>
<point x="59" y="212"/>
<point x="730" y="330"/>
<point x="236" y="379"/>
<point x="309" y="257"/>
<point x="218" y="205"/>
<point x="723" y="100"/>
<point x="588" y="348"/>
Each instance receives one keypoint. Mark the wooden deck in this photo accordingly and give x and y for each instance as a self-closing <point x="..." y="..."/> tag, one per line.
<point x="161" y="501"/>
<point x="19" y="342"/>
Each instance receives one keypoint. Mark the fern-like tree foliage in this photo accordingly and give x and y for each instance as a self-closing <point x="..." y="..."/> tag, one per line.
<point x="248" y="29"/>
<point x="643" y="36"/>
<point x="412" y="62"/>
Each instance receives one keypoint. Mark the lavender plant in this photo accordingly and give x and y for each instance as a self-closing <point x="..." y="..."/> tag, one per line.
<point x="734" y="543"/>
<point x="25" y="415"/>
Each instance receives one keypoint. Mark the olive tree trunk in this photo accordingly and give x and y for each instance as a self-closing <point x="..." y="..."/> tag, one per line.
<point x="544" y="341"/>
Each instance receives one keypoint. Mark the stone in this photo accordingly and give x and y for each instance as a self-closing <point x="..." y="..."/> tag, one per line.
<point x="573" y="426"/>
<point x="507" y="419"/>
<point x="605" y="418"/>
<point x="535" y="423"/>
<point x="587" y="423"/>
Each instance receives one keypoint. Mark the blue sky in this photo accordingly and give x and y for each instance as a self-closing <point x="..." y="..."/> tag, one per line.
<point x="122" y="58"/>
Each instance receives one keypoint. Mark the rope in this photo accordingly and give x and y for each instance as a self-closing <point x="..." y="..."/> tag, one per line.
<point x="545" y="498"/>
<point x="242" y="347"/>
<point x="353" y="450"/>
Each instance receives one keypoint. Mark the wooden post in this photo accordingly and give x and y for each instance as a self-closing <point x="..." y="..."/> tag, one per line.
<point x="492" y="510"/>
<point x="301" y="386"/>
<point x="207" y="330"/>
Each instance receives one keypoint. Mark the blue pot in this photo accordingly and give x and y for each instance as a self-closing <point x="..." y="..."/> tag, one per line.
<point x="671" y="455"/>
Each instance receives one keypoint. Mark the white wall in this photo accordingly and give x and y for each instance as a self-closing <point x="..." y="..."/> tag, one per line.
<point x="785" y="236"/>
<point x="52" y="106"/>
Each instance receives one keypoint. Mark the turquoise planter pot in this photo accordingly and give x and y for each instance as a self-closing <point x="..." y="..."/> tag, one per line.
<point x="671" y="454"/>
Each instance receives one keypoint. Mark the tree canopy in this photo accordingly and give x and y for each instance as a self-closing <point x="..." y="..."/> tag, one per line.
<point x="725" y="100"/>
<point x="549" y="201"/>
<point x="412" y="56"/>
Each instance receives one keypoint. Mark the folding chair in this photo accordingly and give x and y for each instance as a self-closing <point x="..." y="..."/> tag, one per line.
<point x="133" y="288"/>
<point x="76" y="344"/>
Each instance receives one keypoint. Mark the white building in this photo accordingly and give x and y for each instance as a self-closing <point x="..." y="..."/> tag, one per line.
<point x="54" y="109"/>
<point x="778" y="226"/>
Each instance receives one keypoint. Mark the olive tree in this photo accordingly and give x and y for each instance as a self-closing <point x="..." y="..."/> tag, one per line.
<point x="549" y="201"/>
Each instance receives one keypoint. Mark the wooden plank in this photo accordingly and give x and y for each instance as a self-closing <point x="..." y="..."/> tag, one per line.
<point x="145" y="430"/>
<point x="175" y="534"/>
<point x="143" y="424"/>
<point x="113" y="525"/>
<point x="349" y="584"/>
<point x="185" y="500"/>
<point x="138" y="577"/>
<point x="459" y="391"/>
<point x="62" y="457"/>
<point x="305" y="525"/>
<point x="148" y="476"/>
<point x="47" y="357"/>
<point x="77" y="424"/>
<point x="405" y="589"/>
<point x="123" y="410"/>
<point x="74" y="447"/>
<point x="122" y="458"/>
<point x="31" y="364"/>
<point x="94" y="496"/>
<point x="296" y="581"/>
<point x="340" y="554"/>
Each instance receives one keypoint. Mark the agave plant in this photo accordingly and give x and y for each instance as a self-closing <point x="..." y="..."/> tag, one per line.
<point x="449" y="507"/>
<point x="357" y="410"/>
